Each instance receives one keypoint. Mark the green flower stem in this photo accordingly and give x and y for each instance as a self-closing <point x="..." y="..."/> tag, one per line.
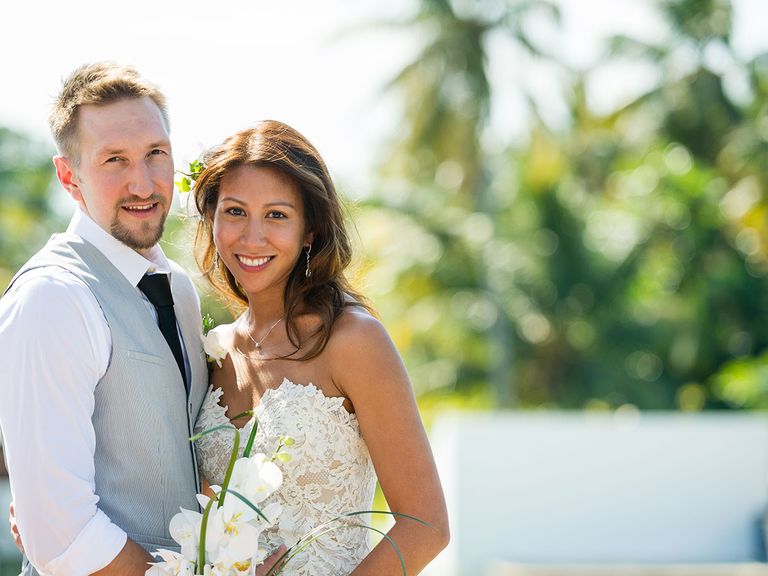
<point x="203" y="535"/>
<point x="251" y="438"/>
<point x="252" y="435"/>
<point x="230" y="467"/>
<point x="227" y="477"/>
<point x="283" y="441"/>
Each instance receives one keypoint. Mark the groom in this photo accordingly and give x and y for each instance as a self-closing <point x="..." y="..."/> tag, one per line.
<point x="104" y="372"/>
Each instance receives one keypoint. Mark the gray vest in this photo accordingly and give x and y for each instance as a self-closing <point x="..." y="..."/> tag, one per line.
<point x="145" y="465"/>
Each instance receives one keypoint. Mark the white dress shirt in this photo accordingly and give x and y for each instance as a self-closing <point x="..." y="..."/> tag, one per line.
<point x="56" y="346"/>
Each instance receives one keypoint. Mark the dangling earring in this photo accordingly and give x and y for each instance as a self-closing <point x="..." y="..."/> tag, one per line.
<point x="216" y="261"/>
<point x="308" y="271"/>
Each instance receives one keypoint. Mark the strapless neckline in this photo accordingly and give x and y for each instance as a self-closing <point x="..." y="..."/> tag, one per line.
<point x="333" y="402"/>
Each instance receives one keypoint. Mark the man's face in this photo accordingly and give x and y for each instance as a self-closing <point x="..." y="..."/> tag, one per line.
<point x="124" y="180"/>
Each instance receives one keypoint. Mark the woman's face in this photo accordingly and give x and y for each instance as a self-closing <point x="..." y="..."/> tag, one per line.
<point x="259" y="228"/>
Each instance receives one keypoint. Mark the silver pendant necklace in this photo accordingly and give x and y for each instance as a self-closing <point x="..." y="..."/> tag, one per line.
<point x="260" y="341"/>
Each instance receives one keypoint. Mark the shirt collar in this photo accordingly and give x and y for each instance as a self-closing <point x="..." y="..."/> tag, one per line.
<point x="130" y="263"/>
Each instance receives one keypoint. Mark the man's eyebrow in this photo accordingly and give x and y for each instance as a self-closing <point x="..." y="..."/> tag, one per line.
<point x="122" y="150"/>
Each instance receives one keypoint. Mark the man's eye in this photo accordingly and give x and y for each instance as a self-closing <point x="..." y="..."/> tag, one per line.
<point x="114" y="159"/>
<point x="158" y="152"/>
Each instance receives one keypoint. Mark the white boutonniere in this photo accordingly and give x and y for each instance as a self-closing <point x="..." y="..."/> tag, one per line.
<point x="212" y="341"/>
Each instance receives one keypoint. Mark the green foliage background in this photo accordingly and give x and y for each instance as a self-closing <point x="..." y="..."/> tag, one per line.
<point x="615" y="258"/>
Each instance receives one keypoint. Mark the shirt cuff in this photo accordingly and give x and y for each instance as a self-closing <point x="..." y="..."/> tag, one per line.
<point x="98" y="543"/>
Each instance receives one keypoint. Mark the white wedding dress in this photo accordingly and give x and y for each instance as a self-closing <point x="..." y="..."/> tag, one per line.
<point x="330" y="472"/>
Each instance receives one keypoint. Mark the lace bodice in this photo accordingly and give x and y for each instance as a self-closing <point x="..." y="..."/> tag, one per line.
<point x="330" y="471"/>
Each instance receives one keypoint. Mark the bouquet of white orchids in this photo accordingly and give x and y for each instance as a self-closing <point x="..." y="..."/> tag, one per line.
<point x="223" y="540"/>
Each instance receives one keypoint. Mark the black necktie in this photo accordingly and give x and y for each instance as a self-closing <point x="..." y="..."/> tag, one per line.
<point x="158" y="291"/>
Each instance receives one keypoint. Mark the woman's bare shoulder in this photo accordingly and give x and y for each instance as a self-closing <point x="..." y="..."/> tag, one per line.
<point x="356" y="323"/>
<point x="356" y="334"/>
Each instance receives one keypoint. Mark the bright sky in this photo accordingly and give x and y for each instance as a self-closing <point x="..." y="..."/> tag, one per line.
<point x="228" y="63"/>
<point x="223" y="65"/>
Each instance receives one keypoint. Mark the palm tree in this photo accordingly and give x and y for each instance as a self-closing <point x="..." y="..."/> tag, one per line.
<point x="440" y="153"/>
<point x="604" y="254"/>
<point x="710" y="314"/>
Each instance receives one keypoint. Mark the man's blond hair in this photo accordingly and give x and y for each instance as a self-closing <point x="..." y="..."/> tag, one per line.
<point x="98" y="84"/>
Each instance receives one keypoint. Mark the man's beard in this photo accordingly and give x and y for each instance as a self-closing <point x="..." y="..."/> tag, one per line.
<point x="142" y="239"/>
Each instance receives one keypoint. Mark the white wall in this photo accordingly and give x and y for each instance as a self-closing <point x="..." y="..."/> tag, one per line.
<point x="579" y="488"/>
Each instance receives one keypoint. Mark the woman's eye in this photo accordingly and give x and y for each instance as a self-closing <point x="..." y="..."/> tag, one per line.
<point x="114" y="159"/>
<point x="235" y="211"/>
<point x="276" y="214"/>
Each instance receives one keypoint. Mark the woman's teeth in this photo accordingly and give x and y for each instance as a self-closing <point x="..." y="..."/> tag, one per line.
<point x="254" y="261"/>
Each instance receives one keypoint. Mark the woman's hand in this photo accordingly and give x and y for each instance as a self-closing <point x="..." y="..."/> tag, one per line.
<point x="271" y="561"/>
<point x="15" y="529"/>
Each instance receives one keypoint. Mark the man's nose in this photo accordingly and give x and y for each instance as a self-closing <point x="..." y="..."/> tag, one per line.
<point x="140" y="183"/>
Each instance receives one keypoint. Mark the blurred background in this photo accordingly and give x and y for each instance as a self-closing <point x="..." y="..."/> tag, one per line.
<point x="559" y="206"/>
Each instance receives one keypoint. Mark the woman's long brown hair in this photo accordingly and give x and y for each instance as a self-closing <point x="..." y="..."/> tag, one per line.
<point x="327" y="291"/>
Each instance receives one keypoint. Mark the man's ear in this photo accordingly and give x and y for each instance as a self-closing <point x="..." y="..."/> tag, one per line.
<point x="65" y="172"/>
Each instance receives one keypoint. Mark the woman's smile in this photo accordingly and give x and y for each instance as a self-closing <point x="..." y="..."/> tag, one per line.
<point x="253" y="263"/>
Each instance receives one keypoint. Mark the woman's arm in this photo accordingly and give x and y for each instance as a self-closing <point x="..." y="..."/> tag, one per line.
<point x="368" y="370"/>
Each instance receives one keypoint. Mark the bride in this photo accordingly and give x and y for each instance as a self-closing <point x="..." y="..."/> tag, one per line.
<point x="310" y="359"/>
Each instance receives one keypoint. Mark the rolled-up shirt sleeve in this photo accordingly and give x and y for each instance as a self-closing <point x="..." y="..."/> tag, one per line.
<point x="56" y="347"/>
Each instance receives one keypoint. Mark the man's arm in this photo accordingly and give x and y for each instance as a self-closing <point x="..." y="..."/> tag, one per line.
<point x="56" y="347"/>
<point x="131" y="561"/>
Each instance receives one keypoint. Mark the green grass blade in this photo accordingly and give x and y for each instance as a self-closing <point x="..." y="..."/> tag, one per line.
<point x="242" y="415"/>
<point x="251" y="437"/>
<point x="326" y="526"/>
<point x="387" y="512"/>
<point x="278" y="567"/>
<point x="207" y="431"/>
<point x="361" y="512"/>
<point x="249" y="504"/>
<point x="230" y="427"/>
